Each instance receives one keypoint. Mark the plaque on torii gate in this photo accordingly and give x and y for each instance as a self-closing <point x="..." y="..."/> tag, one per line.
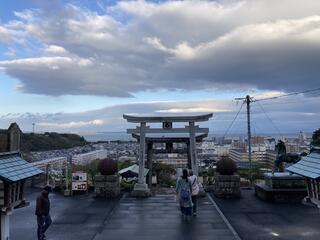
<point x="168" y="134"/>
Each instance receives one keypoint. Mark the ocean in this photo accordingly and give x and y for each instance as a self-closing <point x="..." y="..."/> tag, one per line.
<point x="123" y="136"/>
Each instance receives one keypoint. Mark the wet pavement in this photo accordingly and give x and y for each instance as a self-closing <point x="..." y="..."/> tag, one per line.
<point x="159" y="218"/>
<point x="86" y="218"/>
<point x="79" y="217"/>
<point x="254" y="219"/>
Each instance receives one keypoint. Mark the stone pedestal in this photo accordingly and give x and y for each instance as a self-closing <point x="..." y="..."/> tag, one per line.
<point x="227" y="186"/>
<point x="140" y="190"/>
<point x="67" y="193"/>
<point x="281" y="187"/>
<point x="202" y="192"/>
<point x="107" y="186"/>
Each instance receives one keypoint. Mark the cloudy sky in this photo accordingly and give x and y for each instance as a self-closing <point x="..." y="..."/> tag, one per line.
<point x="77" y="66"/>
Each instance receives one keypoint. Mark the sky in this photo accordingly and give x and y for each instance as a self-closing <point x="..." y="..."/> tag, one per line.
<point x="78" y="66"/>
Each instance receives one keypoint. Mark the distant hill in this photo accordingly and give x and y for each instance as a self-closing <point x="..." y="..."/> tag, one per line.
<point x="50" y="141"/>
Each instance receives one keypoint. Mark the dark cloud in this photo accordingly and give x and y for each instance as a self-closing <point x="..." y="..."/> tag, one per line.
<point x="169" y="45"/>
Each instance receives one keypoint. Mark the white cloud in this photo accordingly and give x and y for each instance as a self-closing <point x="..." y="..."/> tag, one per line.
<point x="290" y="114"/>
<point x="70" y="125"/>
<point x="192" y="110"/>
<point x="55" y="49"/>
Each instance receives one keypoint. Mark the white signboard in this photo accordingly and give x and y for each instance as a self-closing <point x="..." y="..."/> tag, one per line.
<point x="79" y="181"/>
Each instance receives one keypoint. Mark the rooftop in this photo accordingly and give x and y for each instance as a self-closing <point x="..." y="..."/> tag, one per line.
<point x="14" y="168"/>
<point x="186" y="118"/>
<point x="308" y="166"/>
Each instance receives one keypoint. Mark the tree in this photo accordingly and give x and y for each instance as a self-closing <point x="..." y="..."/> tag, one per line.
<point x="164" y="172"/>
<point x="92" y="170"/>
<point x="316" y="138"/>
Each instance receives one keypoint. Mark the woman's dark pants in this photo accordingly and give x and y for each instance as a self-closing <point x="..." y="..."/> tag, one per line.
<point x="187" y="211"/>
<point x="194" y="201"/>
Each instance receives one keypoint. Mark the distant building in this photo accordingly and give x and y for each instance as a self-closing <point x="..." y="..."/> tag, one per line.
<point x="257" y="140"/>
<point x="55" y="163"/>
<point x="239" y="145"/>
<point x="242" y="155"/>
<point x="85" y="158"/>
<point x="175" y="160"/>
<point x="209" y="147"/>
<point x="271" y="156"/>
<point x="302" y="138"/>
<point x="296" y="148"/>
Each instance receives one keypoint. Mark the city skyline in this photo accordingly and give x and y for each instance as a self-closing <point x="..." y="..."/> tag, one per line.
<point x="72" y="66"/>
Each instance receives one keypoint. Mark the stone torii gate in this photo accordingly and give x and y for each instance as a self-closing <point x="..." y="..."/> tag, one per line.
<point x="168" y="134"/>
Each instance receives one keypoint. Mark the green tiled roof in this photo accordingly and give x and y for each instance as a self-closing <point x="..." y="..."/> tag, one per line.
<point x="14" y="168"/>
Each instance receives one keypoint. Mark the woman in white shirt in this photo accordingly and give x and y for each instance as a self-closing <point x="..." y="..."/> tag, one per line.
<point x="195" y="191"/>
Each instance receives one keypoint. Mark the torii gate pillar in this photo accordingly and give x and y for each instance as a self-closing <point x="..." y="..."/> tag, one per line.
<point x="141" y="189"/>
<point x="193" y="149"/>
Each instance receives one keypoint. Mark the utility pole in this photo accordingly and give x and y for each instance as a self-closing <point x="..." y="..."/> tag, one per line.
<point x="33" y="127"/>
<point x="248" y="100"/>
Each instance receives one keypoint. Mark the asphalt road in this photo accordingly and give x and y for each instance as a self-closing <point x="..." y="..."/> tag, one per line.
<point x="254" y="219"/>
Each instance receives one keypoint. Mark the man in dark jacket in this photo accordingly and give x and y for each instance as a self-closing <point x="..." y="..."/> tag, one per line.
<point x="43" y="212"/>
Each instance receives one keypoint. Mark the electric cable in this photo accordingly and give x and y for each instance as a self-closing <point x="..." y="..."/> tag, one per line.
<point x="233" y="120"/>
<point x="286" y="95"/>
<point x="272" y="122"/>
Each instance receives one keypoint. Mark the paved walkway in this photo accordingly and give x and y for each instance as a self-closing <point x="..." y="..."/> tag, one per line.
<point x="159" y="218"/>
<point x="86" y="218"/>
<point x="256" y="219"/>
<point x="74" y="218"/>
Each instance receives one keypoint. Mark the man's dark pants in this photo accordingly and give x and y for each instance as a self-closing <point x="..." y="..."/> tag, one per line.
<point x="43" y="224"/>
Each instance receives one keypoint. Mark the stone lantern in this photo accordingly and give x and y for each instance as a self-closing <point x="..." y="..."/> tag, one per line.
<point x="226" y="182"/>
<point x="107" y="183"/>
<point x="14" y="171"/>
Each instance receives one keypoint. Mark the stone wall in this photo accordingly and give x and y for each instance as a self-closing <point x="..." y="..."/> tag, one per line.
<point x="281" y="187"/>
<point x="227" y="186"/>
<point x="107" y="186"/>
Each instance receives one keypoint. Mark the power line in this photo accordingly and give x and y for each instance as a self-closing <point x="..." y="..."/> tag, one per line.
<point x="286" y="95"/>
<point x="287" y="102"/>
<point x="233" y="120"/>
<point x="268" y="117"/>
